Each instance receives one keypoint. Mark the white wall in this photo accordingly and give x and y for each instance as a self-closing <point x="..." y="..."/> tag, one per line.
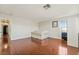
<point x="47" y="26"/>
<point x="21" y="28"/>
<point x="73" y="30"/>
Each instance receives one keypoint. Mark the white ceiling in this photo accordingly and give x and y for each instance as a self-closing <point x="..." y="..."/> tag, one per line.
<point x="37" y="12"/>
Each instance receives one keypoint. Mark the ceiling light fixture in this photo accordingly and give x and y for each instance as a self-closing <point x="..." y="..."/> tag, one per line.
<point x="46" y="6"/>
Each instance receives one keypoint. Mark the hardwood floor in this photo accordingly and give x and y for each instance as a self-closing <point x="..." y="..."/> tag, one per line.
<point x="48" y="46"/>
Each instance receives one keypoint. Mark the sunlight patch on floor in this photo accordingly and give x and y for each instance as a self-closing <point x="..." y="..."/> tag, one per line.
<point x="62" y="50"/>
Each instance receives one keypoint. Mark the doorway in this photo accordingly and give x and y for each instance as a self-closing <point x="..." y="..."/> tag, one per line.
<point x="5" y="38"/>
<point x="63" y="29"/>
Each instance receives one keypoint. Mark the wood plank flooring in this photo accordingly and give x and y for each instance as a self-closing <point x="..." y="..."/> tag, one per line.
<point x="48" y="46"/>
